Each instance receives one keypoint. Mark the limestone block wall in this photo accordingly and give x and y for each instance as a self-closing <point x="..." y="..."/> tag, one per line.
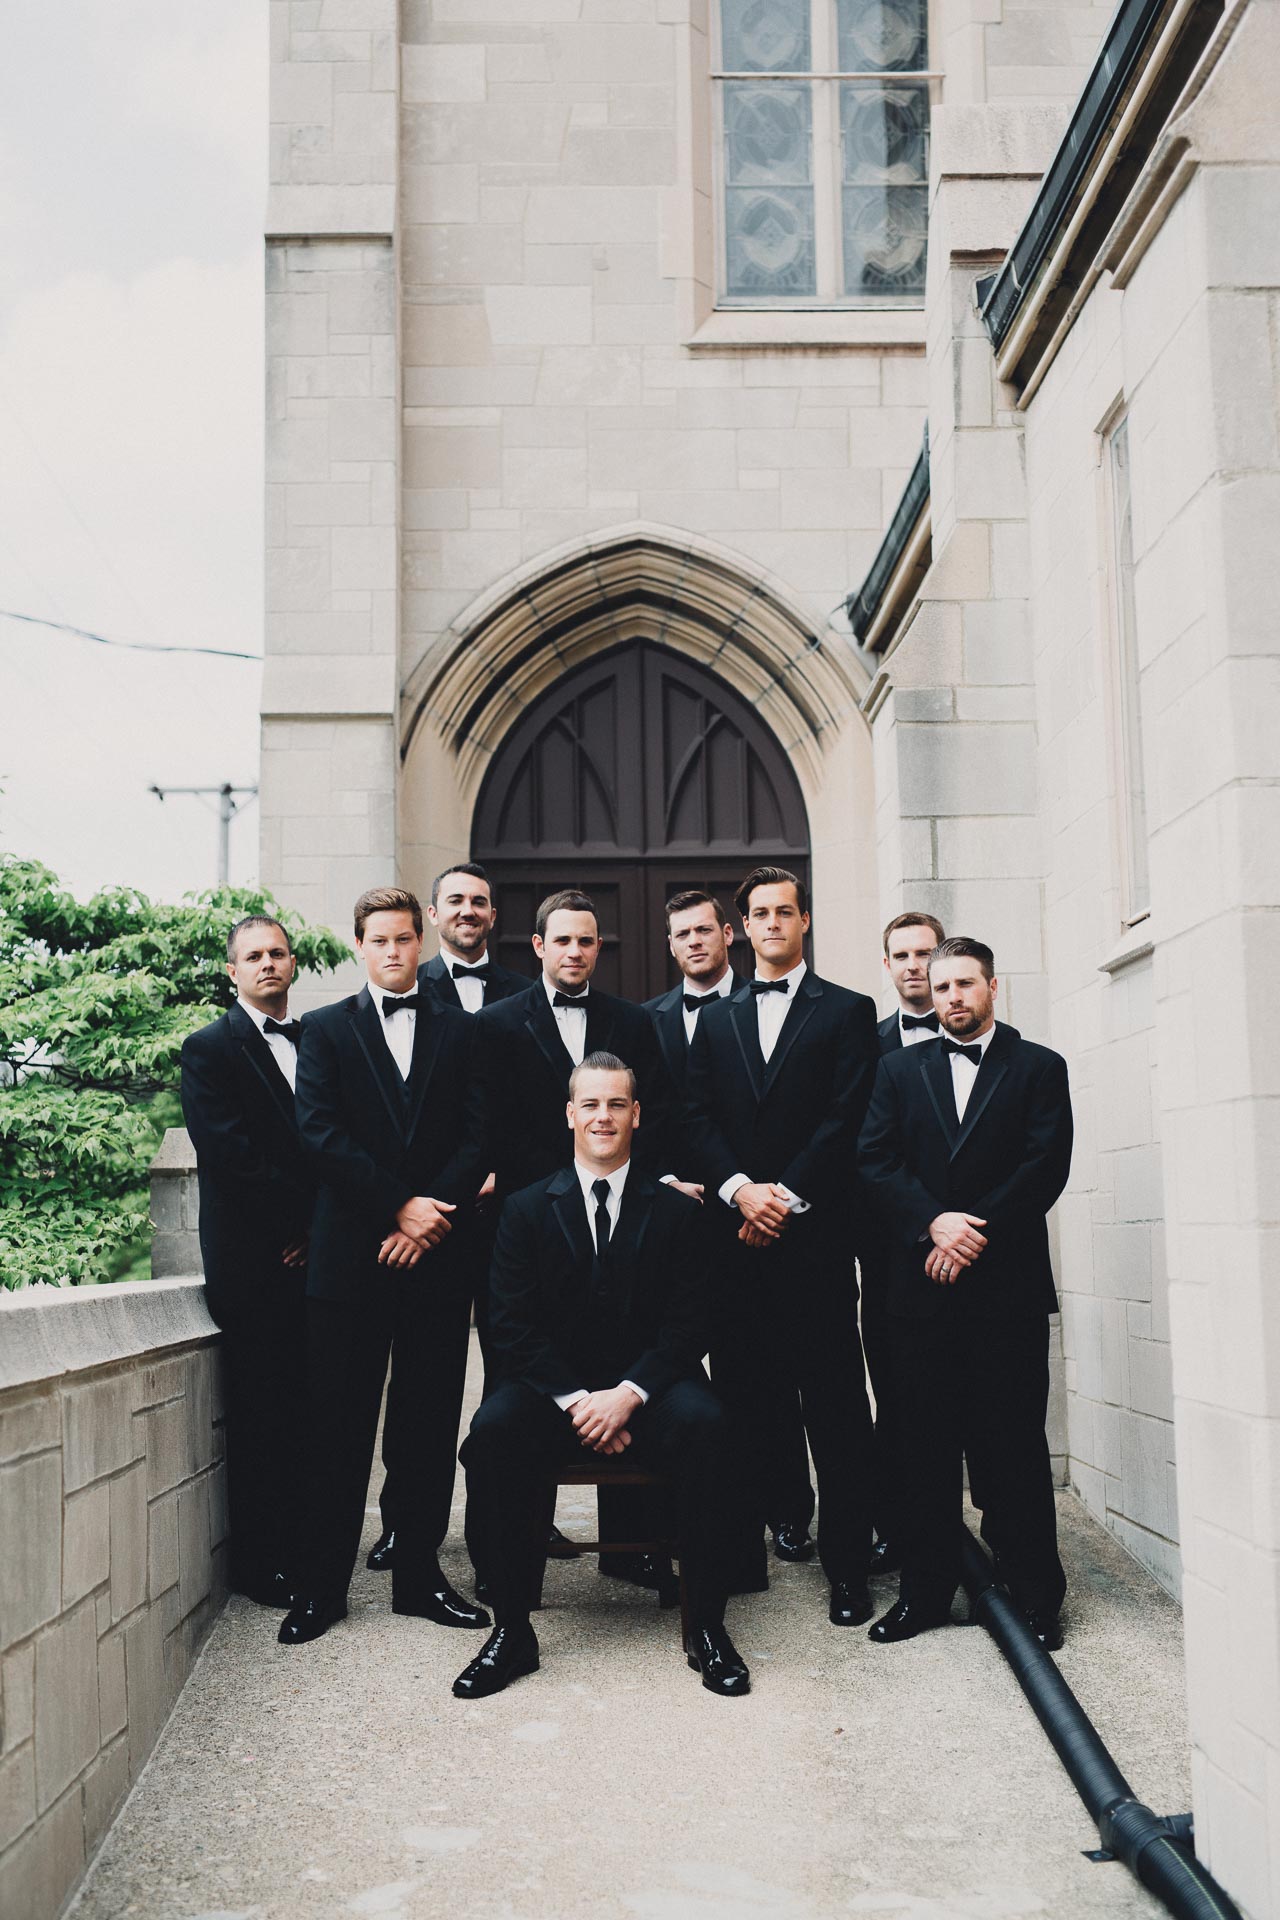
<point x="112" y="1518"/>
<point x="1016" y="51"/>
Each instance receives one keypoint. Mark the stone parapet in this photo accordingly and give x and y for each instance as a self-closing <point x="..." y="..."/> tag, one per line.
<point x="113" y="1523"/>
<point x="175" y="1208"/>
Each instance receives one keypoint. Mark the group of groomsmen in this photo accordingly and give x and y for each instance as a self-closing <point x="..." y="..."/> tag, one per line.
<point x="620" y="1192"/>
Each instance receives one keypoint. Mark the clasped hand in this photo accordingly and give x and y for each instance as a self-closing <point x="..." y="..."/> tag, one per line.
<point x="956" y="1245"/>
<point x="600" y="1419"/>
<point x="765" y="1210"/>
<point x="420" y="1223"/>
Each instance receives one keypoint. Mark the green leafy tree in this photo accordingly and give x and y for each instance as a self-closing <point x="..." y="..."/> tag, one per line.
<point x="96" y="1000"/>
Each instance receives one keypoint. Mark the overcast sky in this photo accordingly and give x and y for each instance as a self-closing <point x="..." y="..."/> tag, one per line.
<point x="132" y="186"/>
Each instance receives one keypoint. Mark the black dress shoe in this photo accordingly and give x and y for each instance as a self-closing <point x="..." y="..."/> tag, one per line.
<point x="382" y="1554"/>
<point x="906" y="1619"/>
<point x="712" y="1653"/>
<point x="850" y="1604"/>
<point x="308" y="1619"/>
<point x="275" y="1590"/>
<point x="505" y="1655"/>
<point x="653" y="1571"/>
<point x="441" y="1603"/>
<point x="885" y="1558"/>
<point x="1047" y="1629"/>
<point x="559" y="1547"/>
<point x="792" y="1543"/>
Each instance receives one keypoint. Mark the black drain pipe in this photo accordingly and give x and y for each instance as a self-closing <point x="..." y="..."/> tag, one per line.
<point x="1159" y="1852"/>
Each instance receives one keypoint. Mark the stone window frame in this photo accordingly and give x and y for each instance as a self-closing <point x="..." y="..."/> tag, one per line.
<point x="1124" y="684"/>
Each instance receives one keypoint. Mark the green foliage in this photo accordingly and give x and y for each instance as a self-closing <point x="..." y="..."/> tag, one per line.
<point x="96" y="1000"/>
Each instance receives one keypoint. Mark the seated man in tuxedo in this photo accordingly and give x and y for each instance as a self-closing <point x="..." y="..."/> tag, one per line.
<point x="599" y="1323"/>
<point x="256" y="1197"/>
<point x="399" y="1154"/>
<point x="968" y="1143"/>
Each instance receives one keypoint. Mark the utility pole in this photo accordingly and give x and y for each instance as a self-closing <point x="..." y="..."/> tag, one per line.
<point x="227" y="810"/>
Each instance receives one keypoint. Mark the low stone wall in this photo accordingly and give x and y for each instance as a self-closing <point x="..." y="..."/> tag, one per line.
<point x="112" y="1524"/>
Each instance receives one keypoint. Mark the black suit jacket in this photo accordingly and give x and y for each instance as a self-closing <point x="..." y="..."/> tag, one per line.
<point x="434" y="977"/>
<point x="256" y="1190"/>
<point x="547" y="1328"/>
<point x="890" y="1034"/>
<point x="524" y="1069"/>
<point x="794" y="1120"/>
<point x="1007" y="1164"/>
<point x="374" y="1140"/>
<point x="666" y="1010"/>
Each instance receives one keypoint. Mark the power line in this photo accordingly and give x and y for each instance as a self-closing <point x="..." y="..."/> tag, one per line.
<point x="134" y="646"/>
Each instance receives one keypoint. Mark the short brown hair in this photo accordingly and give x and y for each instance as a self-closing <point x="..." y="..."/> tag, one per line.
<point x="963" y="948"/>
<point x="770" y="877"/>
<point x="913" y="920"/>
<point x="469" y="867"/>
<point x="386" y="900"/>
<point x="568" y="900"/>
<point x="255" y="920"/>
<point x="694" y="897"/>
<point x="602" y="1063"/>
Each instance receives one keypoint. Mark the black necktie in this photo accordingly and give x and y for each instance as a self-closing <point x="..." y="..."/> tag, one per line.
<point x="471" y="973"/>
<point x="769" y="986"/>
<point x="399" y="1006"/>
<point x="913" y="1020"/>
<point x="600" y="1188"/>
<point x="289" y="1028"/>
<point x="692" y="1001"/>
<point x="973" y="1053"/>
<point x="570" y="1000"/>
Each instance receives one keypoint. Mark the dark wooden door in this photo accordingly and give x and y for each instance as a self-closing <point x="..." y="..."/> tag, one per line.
<point x="634" y="776"/>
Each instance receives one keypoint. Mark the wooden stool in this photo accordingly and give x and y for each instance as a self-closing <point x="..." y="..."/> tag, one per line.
<point x="608" y="1476"/>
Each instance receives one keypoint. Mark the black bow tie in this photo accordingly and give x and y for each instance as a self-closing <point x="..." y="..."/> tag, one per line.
<point x="769" y="986"/>
<point x="471" y="973"/>
<point x="291" y="1029"/>
<point x="570" y="999"/>
<point x="692" y="1001"/>
<point x="389" y="1007"/>
<point x="973" y="1053"/>
<point x="912" y="1020"/>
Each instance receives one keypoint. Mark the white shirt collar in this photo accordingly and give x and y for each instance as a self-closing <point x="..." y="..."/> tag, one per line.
<point x="792" y="979"/>
<point x="982" y="1040"/>
<point x="587" y="1177"/>
<point x="723" y="986"/>
<point x="551" y="990"/>
<point x="452" y="960"/>
<point x="384" y="994"/>
<point x="260" y="1019"/>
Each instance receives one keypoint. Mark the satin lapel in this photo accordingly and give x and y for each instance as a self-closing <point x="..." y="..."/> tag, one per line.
<point x="571" y="1214"/>
<point x="541" y="1023"/>
<point x="995" y="1064"/>
<point x="262" y="1060"/>
<point x="799" y="1013"/>
<point x="935" y="1071"/>
<point x="428" y="1031"/>
<point x="599" y="1025"/>
<point x="628" y="1236"/>
<point x="365" y="1024"/>
<point x="441" y="981"/>
<point x="742" y="1016"/>
<point x="670" y="1025"/>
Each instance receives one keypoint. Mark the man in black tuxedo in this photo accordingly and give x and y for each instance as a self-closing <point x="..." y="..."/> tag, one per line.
<point x="599" y="1323"/>
<point x="778" y="1084"/>
<point x="699" y="937"/>
<point x="385" y="1117"/>
<point x="256" y="1197"/>
<point x="968" y="1142"/>
<point x="461" y="975"/>
<point x="908" y="940"/>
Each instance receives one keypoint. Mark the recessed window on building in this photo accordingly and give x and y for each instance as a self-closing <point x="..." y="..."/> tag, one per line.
<point x="823" y="114"/>
<point x="1136" y="887"/>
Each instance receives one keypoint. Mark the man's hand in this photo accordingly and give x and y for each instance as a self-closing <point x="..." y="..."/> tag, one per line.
<point x="295" y="1254"/>
<point x="601" y="1418"/>
<point x="424" y="1220"/>
<point x="956" y="1245"/>
<point x="762" y="1204"/>
<point x="693" y="1188"/>
<point x="398" y="1250"/>
<point x="757" y="1236"/>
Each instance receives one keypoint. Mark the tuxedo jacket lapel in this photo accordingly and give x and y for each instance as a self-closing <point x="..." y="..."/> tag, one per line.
<point x="599" y="1025"/>
<point x="799" y="1013"/>
<point x="669" y="1020"/>
<point x="935" y="1071"/>
<point x="995" y="1064"/>
<point x="571" y="1214"/>
<point x="746" y="1029"/>
<point x="442" y="980"/>
<point x="367" y="1026"/>
<point x="541" y="1022"/>
<point x="427" y="1030"/>
<point x="262" y="1060"/>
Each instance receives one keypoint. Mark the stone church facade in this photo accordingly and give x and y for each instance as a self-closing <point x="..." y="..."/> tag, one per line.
<point x="602" y="340"/>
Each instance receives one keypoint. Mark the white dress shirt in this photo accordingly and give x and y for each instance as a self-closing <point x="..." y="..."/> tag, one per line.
<point x="587" y="1177"/>
<point x="283" y="1051"/>
<point x="398" y="1030"/>
<point x="963" y="1072"/>
<point x="572" y="1021"/>
<point x="771" y="1010"/>
<point x="912" y="1036"/>
<point x="723" y="987"/>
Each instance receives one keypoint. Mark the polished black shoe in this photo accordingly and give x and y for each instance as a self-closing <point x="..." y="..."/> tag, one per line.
<point x="649" y="1570"/>
<point x="505" y="1655"/>
<point x="308" y="1619"/>
<point x="1047" y="1629"/>
<point x="274" y="1590"/>
<point x="850" y="1604"/>
<point x="905" y="1619"/>
<point x="885" y="1558"/>
<point x="792" y="1543"/>
<point x="382" y="1554"/>
<point x="442" y="1603"/>
<point x="712" y="1654"/>
<point x="559" y="1547"/>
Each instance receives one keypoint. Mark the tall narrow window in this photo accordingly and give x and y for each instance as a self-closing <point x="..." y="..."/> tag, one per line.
<point x="1136" y="900"/>
<point x="824" y="152"/>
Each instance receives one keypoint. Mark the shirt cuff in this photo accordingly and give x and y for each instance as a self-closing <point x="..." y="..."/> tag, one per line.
<point x="644" y="1398"/>
<point x="666" y="1179"/>
<point x="566" y="1400"/>
<point x="731" y="1186"/>
<point x="794" y="1202"/>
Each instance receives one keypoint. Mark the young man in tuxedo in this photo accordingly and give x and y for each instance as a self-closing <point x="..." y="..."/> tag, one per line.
<point x="778" y="1084"/>
<point x="699" y="937"/>
<point x="460" y="975"/>
<point x="256" y="1197"/>
<point x="599" y="1324"/>
<point x="968" y="1142"/>
<point x="908" y="941"/>
<point x="385" y="1118"/>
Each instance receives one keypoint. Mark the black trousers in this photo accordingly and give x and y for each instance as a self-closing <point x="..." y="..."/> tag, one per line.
<point x="976" y="1387"/>
<point x="789" y="1496"/>
<point x="265" y="1390"/>
<point x="519" y="1436"/>
<point x="789" y="1325"/>
<point x="877" y="1344"/>
<point x="419" y="1320"/>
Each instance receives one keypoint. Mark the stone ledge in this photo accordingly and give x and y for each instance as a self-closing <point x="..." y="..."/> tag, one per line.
<point x="46" y="1332"/>
<point x="328" y="212"/>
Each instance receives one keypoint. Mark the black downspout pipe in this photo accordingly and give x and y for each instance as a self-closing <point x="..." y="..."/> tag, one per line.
<point x="1159" y="1852"/>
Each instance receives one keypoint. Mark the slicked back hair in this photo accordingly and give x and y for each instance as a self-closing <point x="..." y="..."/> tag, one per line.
<point x="913" y="920"/>
<point x="602" y="1063"/>
<point x="386" y="900"/>
<point x="694" y="897"/>
<point x="255" y="920"/>
<point x="770" y="877"/>
<point x="460" y="866"/>
<point x="963" y="948"/>
<point x="568" y="900"/>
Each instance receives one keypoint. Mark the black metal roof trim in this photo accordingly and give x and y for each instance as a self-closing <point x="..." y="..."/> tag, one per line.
<point x="862" y="606"/>
<point x="1134" y="26"/>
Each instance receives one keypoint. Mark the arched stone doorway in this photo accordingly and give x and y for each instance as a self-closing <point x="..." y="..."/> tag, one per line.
<point x="634" y="775"/>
